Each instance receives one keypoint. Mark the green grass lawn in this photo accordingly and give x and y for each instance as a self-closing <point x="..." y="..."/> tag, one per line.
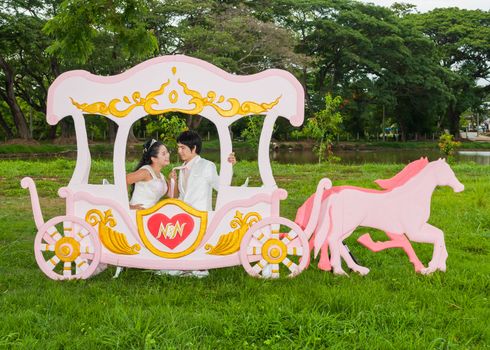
<point x="390" y="308"/>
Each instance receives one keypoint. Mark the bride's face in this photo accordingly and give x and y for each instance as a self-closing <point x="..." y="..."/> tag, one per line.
<point x="163" y="157"/>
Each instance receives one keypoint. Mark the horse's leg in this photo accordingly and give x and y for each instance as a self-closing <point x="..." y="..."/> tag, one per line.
<point x="396" y="241"/>
<point x="344" y="253"/>
<point x="378" y="246"/>
<point x="439" y="256"/>
<point x="335" y="242"/>
<point x="405" y="244"/>
<point x="324" y="263"/>
<point x="431" y="234"/>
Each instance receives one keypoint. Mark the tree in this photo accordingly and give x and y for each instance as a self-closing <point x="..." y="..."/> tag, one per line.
<point x="9" y="31"/>
<point x="461" y="37"/>
<point x="23" y="51"/>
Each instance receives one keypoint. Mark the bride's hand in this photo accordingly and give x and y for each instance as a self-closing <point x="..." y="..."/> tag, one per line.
<point x="136" y="206"/>
<point x="173" y="175"/>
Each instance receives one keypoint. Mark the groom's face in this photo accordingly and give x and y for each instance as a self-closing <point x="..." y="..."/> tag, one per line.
<point x="185" y="153"/>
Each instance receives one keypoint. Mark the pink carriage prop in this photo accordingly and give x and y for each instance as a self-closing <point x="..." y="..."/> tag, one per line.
<point x="245" y="228"/>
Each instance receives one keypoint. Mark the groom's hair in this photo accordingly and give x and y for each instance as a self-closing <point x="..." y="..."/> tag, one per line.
<point x="191" y="139"/>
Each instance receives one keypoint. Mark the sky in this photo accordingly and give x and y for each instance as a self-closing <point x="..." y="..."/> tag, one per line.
<point x="427" y="5"/>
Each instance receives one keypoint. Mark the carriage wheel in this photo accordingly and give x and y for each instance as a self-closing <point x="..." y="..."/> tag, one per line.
<point x="274" y="247"/>
<point x="66" y="247"/>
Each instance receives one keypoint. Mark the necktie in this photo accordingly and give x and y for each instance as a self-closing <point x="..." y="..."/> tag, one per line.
<point x="186" y="169"/>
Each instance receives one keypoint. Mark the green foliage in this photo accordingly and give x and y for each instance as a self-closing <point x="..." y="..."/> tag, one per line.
<point x="168" y="127"/>
<point x="80" y="28"/>
<point x="447" y="145"/>
<point x="251" y="134"/>
<point x="324" y="126"/>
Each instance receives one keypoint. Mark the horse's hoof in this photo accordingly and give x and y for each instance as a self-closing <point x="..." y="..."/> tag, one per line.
<point x="427" y="271"/>
<point x="340" y="272"/>
<point x="363" y="271"/>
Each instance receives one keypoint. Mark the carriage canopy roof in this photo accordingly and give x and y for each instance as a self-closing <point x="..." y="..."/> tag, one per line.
<point x="176" y="84"/>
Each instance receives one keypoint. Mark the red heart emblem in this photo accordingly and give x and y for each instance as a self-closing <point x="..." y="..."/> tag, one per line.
<point x="170" y="231"/>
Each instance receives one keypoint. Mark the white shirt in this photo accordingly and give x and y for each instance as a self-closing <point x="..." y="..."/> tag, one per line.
<point x="148" y="193"/>
<point x="201" y="180"/>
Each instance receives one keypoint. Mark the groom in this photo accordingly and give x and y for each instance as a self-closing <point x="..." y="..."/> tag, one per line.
<point x="197" y="176"/>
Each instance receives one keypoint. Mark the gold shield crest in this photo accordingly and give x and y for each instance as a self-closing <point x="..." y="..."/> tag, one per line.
<point x="171" y="228"/>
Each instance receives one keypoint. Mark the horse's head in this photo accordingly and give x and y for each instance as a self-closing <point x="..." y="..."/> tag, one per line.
<point x="445" y="176"/>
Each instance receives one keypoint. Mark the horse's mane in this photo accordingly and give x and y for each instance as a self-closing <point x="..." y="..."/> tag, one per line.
<point x="403" y="176"/>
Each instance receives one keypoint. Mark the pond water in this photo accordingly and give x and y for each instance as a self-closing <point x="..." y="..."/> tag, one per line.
<point x="360" y="157"/>
<point x="300" y="156"/>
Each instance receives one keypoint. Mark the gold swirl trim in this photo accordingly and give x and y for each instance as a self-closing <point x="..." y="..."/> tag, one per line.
<point x="230" y="243"/>
<point x="113" y="240"/>
<point x="196" y="103"/>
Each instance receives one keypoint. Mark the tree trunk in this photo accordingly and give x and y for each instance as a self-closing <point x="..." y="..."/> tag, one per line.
<point x="305" y="86"/>
<point x="9" y="97"/>
<point x="6" y="127"/>
<point x="112" y="130"/>
<point x="454" y="118"/>
<point x="402" y="132"/>
<point x="52" y="132"/>
<point x="131" y="137"/>
<point x="65" y="128"/>
<point x="193" y="121"/>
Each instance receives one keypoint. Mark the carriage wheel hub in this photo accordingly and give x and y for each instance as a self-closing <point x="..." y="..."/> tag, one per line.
<point x="67" y="249"/>
<point x="274" y="251"/>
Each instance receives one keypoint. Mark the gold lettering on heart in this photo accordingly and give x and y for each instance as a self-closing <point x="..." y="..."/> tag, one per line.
<point x="170" y="231"/>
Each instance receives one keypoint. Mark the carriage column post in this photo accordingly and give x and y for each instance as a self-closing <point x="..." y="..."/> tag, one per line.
<point x="226" y="147"/>
<point x="119" y="159"/>
<point x="263" y="156"/>
<point x="82" y="167"/>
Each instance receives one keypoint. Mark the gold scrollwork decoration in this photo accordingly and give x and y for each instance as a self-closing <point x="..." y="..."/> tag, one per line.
<point x="197" y="103"/>
<point x="229" y="243"/>
<point x="113" y="240"/>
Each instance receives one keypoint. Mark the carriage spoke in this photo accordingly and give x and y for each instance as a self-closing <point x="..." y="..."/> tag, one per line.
<point x="290" y="265"/>
<point x="275" y="231"/>
<point x="260" y="266"/>
<point x="51" y="263"/>
<point x="298" y="251"/>
<point x="53" y="233"/>
<point x="87" y="252"/>
<point x="47" y="247"/>
<point x="87" y="249"/>
<point x="67" y="269"/>
<point x="275" y="271"/>
<point x="68" y="228"/>
<point x="81" y="265"/>
<point x="81" y="234"/>
<point x="289" y="237"/>
<point x="254" y="250"/>
<point x="88" y="256"/>
<point x="261" y="237"/>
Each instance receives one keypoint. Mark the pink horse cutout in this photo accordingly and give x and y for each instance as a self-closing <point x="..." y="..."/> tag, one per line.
<point x="401" y="210"/>
<point x="396" y="241"/>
